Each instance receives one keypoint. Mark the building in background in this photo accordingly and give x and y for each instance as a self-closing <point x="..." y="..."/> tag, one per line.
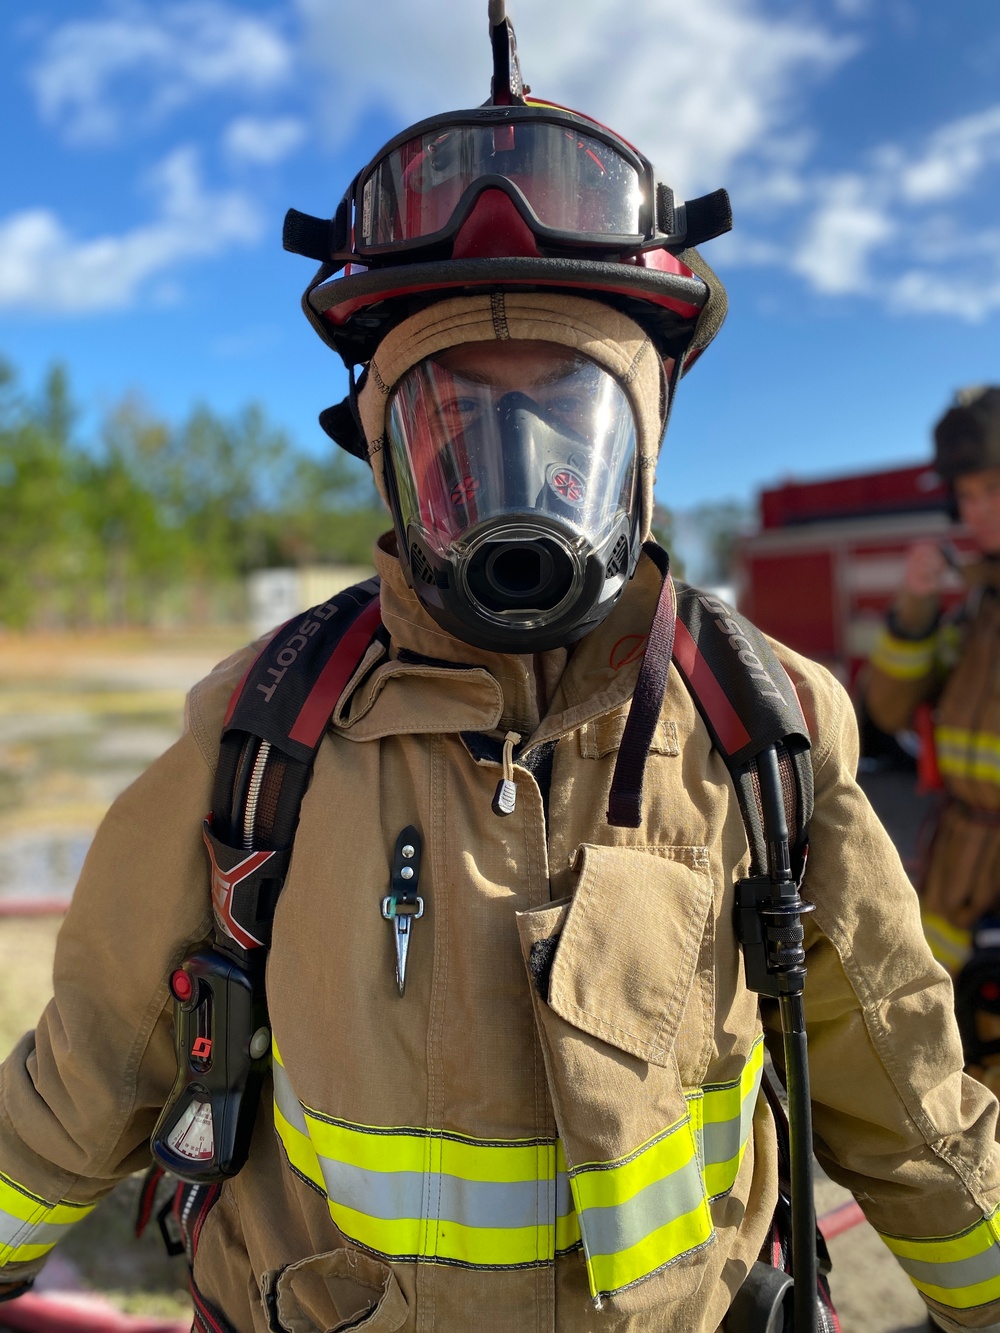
<point x="275" y="595"/>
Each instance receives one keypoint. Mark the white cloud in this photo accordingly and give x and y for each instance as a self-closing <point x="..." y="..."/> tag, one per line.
<point x="165" y="55"/>
<point x="43" y="267"/>
<point x="696" y="86"/>
<point x="954" y="157"/>
<point x="262" y="140"/>
<point x="901" y="228"/>
<point x="926" y="292"/>
<point x="841" y="238"/>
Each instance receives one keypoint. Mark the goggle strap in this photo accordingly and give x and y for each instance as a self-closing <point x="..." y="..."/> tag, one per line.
<point x="707" y="217"/>
<point x="303" y="234"/>
<point x="317" y="238"/>
<point x="664" y="209"/>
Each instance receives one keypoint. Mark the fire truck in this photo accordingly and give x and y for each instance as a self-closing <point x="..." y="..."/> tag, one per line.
<point x="827" y="560"/>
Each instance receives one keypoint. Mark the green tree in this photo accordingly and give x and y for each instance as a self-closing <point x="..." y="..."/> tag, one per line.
<point x="330" y="511"/>
<point x="143" y="553"/>
<point x="145" y="514"/>
<point x="49" y="555"/>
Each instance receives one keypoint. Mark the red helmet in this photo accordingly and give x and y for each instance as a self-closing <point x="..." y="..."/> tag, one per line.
<point x="522" y="195"/>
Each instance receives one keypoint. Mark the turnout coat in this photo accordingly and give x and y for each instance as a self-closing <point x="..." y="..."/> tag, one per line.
<point x="953" y="665"/>
<point x="513" y="1145"/>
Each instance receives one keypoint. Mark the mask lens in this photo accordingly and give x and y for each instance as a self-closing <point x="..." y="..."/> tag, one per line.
<point x="492" y="431"/>
<point x="571" y="183"/>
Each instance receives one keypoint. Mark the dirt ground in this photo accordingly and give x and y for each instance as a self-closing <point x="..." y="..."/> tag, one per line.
<point x="79" y="719"/>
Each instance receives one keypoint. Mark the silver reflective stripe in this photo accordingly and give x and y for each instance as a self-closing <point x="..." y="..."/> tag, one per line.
<point x="611" y="1229"/>
<point x="286" y="1100"/>
<point x="564" y="1195"/>
<point x="470" y="1203"/>
<point x="724" y="1140"/>
<point x="953" y="1273"/>
<point x="393" y="1193"/>
<point x="15" y="1229"/>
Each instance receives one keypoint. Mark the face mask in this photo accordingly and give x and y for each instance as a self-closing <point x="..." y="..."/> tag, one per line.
<point x="512" y="480"/>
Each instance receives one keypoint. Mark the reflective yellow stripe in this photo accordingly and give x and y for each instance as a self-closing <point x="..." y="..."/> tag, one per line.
<point x="440" y="1196"/>
<point x="960" y="1271"/>
<point x="368" y="1148"/>
<point x="950" y="945"/>
<point x="727" y="1119"/>
<point x="447" y="1241"/>
<point x="29" y="1226"/>
<point x="968" y="754"/>
<point x="431" y="1195"/>
<point x="903" y="659"/>
<point x="639" y="1214"/>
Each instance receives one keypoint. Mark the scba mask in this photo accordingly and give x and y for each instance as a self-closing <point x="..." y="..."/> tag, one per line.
<point x="511" y="473"/>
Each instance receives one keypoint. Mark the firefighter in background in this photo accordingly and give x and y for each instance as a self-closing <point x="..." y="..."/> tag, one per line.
<point x="952" y="662"/>
<point x="556" y="1129"/>
<point x="947" y="667"/>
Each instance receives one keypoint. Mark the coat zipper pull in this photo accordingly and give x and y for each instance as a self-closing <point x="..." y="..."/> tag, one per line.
<point x="402" y="905"/>
<point x="505" y="796"/>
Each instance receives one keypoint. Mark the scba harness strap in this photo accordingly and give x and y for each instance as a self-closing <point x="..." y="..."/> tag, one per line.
<point x="271" y="734"/>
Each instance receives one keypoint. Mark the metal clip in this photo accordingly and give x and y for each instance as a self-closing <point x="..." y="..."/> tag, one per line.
<point x="403" y="905"/>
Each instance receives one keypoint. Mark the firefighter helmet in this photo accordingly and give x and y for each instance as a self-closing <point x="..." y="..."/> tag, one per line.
<point x="967" y="438"/>
<point x="519" y="194"/>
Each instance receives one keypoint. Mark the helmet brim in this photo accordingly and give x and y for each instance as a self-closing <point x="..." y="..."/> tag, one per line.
<point x="353" y="313"/>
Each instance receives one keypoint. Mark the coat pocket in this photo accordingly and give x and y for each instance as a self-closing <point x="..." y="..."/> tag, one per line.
<point x="616" y="974"/>
<point x="342" y="1289"/>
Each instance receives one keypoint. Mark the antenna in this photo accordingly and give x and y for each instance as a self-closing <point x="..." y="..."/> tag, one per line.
<point x="507" y="87"/>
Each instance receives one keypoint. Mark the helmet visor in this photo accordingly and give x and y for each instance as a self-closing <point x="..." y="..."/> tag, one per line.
<point x="571" y="185"/>
<point x="492" y="431"/>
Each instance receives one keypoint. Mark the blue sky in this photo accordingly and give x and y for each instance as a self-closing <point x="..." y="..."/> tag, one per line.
<point x="151" y="150"/>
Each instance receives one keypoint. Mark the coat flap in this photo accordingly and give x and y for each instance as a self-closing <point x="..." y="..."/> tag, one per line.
<point x="630" y="944"/>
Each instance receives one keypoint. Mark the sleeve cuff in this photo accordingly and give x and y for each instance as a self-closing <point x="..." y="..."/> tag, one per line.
<point x="904" y="658"/>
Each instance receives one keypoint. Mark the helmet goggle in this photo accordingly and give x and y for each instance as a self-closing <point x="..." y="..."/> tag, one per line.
<point x="516" y="492"/>
<point x="573" y="185"/>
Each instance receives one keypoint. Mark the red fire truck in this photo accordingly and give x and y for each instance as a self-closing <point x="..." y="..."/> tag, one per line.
<point x="827" y="560"/>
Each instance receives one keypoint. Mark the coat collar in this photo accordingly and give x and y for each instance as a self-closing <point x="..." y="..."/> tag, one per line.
<point x="428" y="681"/>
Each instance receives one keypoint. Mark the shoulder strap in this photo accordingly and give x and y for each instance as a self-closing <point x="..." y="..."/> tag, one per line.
<point x="272" y="730"/>
<point x="749" y="705"/>
<point x="744" y="696"/>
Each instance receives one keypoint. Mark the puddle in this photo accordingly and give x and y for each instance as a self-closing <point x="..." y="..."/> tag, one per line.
<point x="41" y="866"/>
<point x="65" y="755"/>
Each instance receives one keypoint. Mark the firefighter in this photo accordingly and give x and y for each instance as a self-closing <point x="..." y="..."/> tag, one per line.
<point x="953" y="663"/>
<point x="545" y="1114"/>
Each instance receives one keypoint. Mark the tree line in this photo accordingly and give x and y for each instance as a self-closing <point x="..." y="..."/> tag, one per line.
<point x="139" y="521"/>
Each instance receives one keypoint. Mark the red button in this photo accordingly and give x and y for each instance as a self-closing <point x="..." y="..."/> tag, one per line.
<point x="181" y="985"/>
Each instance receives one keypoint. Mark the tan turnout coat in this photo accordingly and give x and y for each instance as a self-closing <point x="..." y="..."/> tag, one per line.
<point x="955" y="667"/>
<point x="640" y="1049"/>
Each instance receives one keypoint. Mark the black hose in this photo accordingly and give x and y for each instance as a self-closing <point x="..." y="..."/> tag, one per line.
<point x="783" y="919"/>
<point x="793" y="1031"/>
